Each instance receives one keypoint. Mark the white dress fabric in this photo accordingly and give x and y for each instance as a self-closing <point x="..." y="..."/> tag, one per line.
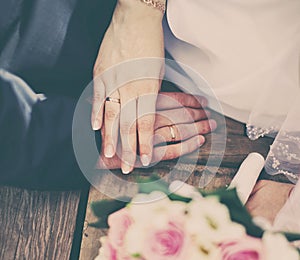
<point x="249" y="53"/>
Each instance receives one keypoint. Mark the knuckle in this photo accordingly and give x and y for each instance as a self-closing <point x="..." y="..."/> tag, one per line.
<point x="203" y="114"/>
<point x="171" y="154"/>
<point x="146" y="125"/>
<point x="144" y="148"/>
<point x="178" y="97"/>
<point x="97" y="98"/>
<point x="98" y="68"/>
<point x="199" y="114"/>
<point x="127" y="128"/>
<point x="184" y="132"/>
<point x="111" y="114"/>
<point x="97" y="95"/>
<point x="203" y="101"/>
<point x="191" y="101"/>
<point x="127" y="154"/>
<point x="192" y="112"/>
<point x="187" y="113"/>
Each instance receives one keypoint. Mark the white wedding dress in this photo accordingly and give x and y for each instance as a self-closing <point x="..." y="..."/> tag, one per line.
<point x="249" y="54"/>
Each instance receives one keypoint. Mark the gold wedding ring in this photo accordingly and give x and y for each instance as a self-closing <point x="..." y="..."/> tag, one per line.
<point x="172" y="131"/>
<point x="111" y="99"/>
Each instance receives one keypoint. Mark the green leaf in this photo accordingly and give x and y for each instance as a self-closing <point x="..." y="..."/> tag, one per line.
<point x="99" y="224"/>
<point x="291" y="236"/>
<point x="136" y="255"/>
<point x="173" y="196"/>
<point x="102" y="209"/>
<point x="151" y="178"/>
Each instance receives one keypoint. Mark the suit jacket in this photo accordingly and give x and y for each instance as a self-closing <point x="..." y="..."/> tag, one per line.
<point x="52" y="46"/>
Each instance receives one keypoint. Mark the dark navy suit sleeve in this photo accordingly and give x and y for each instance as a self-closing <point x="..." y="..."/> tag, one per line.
<point x="40" y="154"/>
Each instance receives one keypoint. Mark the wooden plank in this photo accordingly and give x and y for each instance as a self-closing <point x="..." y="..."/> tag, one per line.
<point x="90" y="238"/>
<point x="37" y="225"/>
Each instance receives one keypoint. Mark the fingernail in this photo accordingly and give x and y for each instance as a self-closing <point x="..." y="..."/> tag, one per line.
<point x="201" y="140"/>
<point x="96" y="125"/>
<point x="109" y="151"/>
<point x="145" y="159"/>
<point x="212" y="124"/>
<point x="126" y="168"/>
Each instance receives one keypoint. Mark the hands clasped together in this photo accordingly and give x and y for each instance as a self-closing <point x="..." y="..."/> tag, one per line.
<point x="180" y="122"/>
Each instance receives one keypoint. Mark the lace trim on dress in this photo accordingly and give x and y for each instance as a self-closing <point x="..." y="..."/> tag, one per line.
<point x="284" y="156"/>
<point x="254" y="132"/>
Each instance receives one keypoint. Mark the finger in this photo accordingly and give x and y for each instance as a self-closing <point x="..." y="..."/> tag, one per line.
<point x="145" y="125"/>
<point x="97" y="104"/>
<point x="169" y="100"/>
<point x="173" y="151"/>
<point x="128" y="134"/>
<point x="160" y="153"/>
<point x="109" y="163"/>
<point x="179" y="116"/>
<point x="183" y="131"/>
<point x="111" y="125"/>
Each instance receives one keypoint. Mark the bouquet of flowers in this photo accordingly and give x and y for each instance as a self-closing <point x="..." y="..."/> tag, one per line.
<point x="160" y="225"/>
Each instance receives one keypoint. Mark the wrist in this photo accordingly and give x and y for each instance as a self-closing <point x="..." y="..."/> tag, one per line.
<point x="137" y="9"/>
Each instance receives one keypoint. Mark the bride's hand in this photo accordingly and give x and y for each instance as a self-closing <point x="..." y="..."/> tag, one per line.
<point x="135" y="32"/>
<point x="179" y="117"/>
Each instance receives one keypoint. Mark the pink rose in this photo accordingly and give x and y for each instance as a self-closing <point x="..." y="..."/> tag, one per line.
<point x="248" y="248"/>
<point x="166" y="243"/>
<point x="118" y="222"/>
<point x="107" y="251"/>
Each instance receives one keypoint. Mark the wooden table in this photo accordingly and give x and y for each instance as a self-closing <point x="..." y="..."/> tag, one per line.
<point x="50" y="225"/>
<point x="37" y="225"/>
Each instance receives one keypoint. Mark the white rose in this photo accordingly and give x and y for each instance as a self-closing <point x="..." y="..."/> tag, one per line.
<point x="155" y="208"/>
<point x="210" y="219"/>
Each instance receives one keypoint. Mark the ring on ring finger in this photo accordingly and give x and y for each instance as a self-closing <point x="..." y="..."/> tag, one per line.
<point x="114" y="100"/>
<point x="172" y="132"/>
<point x="111" y="125"/>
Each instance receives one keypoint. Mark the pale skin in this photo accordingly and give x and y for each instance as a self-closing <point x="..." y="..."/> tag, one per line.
<point x="267" y="198"/>
<point x="171" y="110"/>
<point x="134" y="32"/>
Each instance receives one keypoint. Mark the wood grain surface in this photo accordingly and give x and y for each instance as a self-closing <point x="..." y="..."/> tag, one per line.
<point x="37" y="225"/>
